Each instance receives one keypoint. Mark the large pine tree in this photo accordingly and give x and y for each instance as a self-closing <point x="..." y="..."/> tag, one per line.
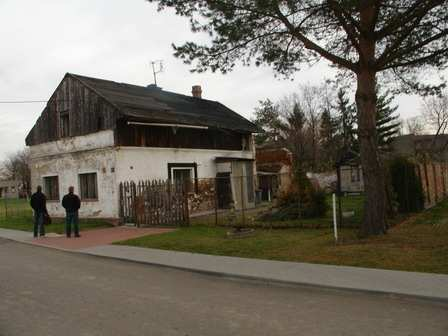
<point x="365" y="38"/>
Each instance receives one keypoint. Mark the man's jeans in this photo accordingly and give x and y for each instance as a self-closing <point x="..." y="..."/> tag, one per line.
<point x="71" y="219"/>
<point x="39" y="227"/>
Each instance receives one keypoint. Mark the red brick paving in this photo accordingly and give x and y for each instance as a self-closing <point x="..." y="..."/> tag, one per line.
<point x="91" y="238"/>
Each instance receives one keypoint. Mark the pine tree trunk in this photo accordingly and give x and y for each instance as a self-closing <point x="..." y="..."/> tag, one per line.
<point x="374" y="219"/>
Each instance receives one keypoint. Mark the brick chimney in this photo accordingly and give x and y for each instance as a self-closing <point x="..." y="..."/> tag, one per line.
<point x="196" y="91"/>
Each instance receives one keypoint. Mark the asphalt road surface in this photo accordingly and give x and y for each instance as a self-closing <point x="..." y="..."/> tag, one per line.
<point x="48" y="292"/>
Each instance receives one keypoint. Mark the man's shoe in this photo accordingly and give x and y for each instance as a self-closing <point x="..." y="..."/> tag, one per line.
<point x="69" y="236"/>
<point x="77" y="236"/>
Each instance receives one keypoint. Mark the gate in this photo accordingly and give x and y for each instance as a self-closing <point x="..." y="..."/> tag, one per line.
<point x="154" y="203"/>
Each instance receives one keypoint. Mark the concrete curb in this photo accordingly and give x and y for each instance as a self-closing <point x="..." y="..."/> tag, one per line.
<point x="271" y="281"/>
<point x="291" y="282"/>
<point x="265" y="279"/>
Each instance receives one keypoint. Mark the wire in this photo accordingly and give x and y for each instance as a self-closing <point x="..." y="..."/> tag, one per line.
<point x="22" y="101"/>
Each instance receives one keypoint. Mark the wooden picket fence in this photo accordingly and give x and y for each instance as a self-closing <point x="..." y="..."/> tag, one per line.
<point x="154" y="203"/>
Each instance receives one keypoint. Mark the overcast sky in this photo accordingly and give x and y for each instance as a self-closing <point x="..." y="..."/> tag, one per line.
<point x="116" y="40"/>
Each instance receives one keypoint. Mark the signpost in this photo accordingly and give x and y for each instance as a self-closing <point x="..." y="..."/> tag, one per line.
<point x="335" y="224"/>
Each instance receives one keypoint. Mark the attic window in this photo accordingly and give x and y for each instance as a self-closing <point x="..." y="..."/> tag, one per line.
<point x="64" y="124"/>
<point x="99" y="123"/>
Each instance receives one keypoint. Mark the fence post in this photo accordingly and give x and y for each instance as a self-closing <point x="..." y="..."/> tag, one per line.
<point x="339" y="193"/>
<point x="187" y="210"/>
<point x="6" y="206"/>
<point x="121" y="202"/>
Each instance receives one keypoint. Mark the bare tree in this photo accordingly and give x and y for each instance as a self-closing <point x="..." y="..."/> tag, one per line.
<point x="16" y="167"/>
<point x="414" y="125"/>
<point x="435" y="113"/>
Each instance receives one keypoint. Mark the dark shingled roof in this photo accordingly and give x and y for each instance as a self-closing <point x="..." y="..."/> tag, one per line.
<point x="152" y="104"/>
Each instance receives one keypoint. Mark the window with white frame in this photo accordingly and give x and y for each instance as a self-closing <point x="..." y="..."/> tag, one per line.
<point x="184" y="174"/>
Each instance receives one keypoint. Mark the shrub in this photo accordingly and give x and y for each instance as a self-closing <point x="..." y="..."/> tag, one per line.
<point x="406" y="185"/>
<point x="308" y="201"/>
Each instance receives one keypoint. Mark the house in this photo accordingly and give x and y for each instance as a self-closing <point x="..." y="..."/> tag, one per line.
<point x="10" y="189"/>
<point x="95" y="133"/>
<point x="422" y="145"/>
<point x="274" y="169"/>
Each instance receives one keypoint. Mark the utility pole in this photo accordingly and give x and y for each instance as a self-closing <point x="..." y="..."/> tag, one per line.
<point x="157" y="67"/>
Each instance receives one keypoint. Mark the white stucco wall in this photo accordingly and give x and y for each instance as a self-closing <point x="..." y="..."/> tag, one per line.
<point x="137" y="163"/>
<point x="73" y="156"/>
<point x="98" y="140"/>
<point x="95" y="153"/>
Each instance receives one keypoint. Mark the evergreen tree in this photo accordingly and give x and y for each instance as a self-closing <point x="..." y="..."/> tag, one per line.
<point x="387" y="122"/>
<point x="347" y="120"/>
<point x="267" y="117"/>
<point x="328" y="139"/>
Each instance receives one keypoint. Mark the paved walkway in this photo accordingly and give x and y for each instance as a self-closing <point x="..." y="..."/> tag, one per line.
<point x="422" y="285"/>
<point x="89" y="238"/>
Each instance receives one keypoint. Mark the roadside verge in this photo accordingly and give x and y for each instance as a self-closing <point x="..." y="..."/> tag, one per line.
<point x="433" y="287"/>
<point x="409" y="284"/>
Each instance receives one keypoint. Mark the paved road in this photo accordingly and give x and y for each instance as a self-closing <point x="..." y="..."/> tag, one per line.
<point x="48" y="292"/>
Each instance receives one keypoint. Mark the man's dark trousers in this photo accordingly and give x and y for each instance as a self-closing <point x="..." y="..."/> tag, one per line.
<point x="71" y="219"/>
<point x="39" y="227"/>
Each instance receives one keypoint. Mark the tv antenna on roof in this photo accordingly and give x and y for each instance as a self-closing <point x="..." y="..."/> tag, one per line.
<point x="157" y="67"/>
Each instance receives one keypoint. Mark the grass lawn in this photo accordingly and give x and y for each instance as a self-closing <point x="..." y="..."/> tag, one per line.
<point x="19" y="216"/>
<point x="419" y="243"/>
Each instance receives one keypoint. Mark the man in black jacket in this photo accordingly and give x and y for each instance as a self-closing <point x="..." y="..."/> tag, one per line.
<point x="71" y="204"/>
<point x="38" y="202"/>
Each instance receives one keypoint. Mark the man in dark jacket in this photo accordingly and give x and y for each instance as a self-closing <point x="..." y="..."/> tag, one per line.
<point x="39" y="204"/>
<point x="71" y="204"/>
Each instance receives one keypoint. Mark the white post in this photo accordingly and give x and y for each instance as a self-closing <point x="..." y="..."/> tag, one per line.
<point x="335" y="224"/>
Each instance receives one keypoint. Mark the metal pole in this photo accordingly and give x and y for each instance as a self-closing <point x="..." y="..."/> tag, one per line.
<point x="154" y="73"/>
<point x="335" y="225"/>
<point x="216" y="201"/>
<point x="242" y="202"/>
<point x="6" y="206"/>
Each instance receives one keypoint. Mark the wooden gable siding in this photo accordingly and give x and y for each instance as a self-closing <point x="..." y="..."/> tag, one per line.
<point x="166" y="137"/>
<point x="88" y="112"/>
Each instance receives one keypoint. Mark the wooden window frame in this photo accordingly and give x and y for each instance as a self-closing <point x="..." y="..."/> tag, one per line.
<point x="49" y="194"/>
<point x="81" y="188"/>
<point x="64" y="130"/>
